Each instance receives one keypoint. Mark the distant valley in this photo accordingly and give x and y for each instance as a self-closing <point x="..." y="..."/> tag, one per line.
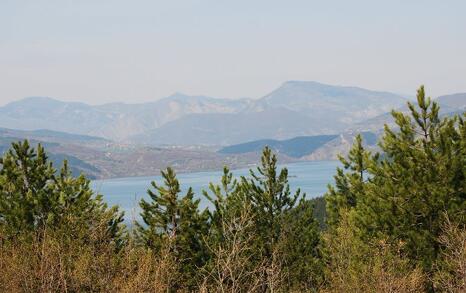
<point x="101" y="158"/>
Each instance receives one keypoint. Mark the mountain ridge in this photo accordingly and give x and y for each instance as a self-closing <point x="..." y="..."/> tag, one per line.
<point x="303" y="107"/>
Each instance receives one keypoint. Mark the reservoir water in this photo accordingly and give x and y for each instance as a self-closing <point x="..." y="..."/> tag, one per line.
<point x="311" y="177"/>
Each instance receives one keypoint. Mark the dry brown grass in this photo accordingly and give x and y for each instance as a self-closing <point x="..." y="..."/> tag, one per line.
<point x="451" y="270"/>
<point x="47" y="264"/>
<point x="146" y="272"/>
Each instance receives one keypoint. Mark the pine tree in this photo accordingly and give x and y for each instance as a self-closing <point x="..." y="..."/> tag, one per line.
<point x="223" y="197"/>
<point x="300" y="247"/>
<point x="349" y="182"/>
<point x="80" y="211"/>
<point x="174" y="223"/>
<point x="287" y="234"/>
<point x="403" y="194"/>
<point x="25" y="187"/>
<point x="34" y="196"/>
<point x="270" y="197"/>
<point x="421" y="177"/>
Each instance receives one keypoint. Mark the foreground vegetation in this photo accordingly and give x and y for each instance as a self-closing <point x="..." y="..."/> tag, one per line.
<point x="395" y="222"/>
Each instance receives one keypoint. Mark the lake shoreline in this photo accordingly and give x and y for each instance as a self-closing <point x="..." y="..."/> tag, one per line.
<point x="311" y="177"/>
<point x="203" y="170"/>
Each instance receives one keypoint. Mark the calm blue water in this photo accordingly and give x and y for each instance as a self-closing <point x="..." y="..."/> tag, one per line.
<point x="311" y="177"/>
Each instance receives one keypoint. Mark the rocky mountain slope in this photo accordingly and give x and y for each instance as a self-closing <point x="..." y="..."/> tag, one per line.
<point x="116" y="121"/>
<point x="297" y="108"/>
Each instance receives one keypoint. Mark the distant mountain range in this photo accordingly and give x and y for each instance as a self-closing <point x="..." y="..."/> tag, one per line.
<point x="299" y="120"/>
<point x="297" y="108"/>
<point x="116" y="121"/>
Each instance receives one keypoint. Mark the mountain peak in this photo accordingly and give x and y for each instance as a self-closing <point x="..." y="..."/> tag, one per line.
<point x="311" y="84"/>
<point x="303" y="82"/>
<point x="178" y="95"/>
<point x="36" y="99"/>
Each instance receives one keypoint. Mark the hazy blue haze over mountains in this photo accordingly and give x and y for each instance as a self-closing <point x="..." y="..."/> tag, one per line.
<point x="352" y="103"/>
<point x="299" y="120"/>
<point x="116" y="121"/>
<point x="297" y="108"/>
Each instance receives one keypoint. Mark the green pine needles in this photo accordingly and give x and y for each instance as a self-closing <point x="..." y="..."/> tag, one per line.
<point x="406" y="193"/>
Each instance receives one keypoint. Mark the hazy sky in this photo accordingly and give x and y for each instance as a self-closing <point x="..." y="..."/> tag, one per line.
<point x="99" y="51"/>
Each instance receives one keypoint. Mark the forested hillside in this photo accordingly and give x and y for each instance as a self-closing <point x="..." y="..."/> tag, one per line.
<point x="395" y="221"/>
<point x="320" y="147"/>
<point x="296" y="147"/>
